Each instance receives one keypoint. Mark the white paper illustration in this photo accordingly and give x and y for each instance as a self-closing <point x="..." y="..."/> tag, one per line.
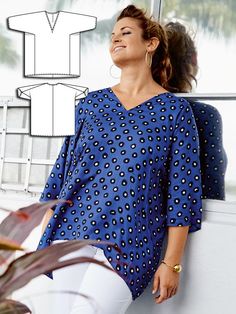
<point x="52" y="107"/>
<point x="52" y="42"/>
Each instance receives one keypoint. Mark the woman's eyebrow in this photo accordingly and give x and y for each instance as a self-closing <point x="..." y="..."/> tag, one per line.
<point x="123" y="28"/>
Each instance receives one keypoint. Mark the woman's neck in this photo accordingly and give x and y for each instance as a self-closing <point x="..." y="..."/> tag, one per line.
<point x="135" y="83"/>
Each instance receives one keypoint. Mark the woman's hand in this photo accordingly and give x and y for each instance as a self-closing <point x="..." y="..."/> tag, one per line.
<point x="167" y="281"/>
<point x="46" y="218"/>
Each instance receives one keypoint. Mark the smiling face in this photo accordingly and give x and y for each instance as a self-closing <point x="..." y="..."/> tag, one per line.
<point x="127" y="44"/>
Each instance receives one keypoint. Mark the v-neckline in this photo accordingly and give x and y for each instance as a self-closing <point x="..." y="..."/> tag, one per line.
<point x="137" y="106"/>
<point x="49" y="22"/>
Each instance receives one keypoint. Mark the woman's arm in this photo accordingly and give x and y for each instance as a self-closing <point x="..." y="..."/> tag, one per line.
<point x="177" y="237"/>
<point x="165" y="279"/>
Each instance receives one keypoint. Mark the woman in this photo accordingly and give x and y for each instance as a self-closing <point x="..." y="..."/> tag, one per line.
<point x="132" y="171"/>
<point x="183" y="56"/>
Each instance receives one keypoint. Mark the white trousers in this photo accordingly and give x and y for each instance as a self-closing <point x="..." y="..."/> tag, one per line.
<point x="109" y="292"/>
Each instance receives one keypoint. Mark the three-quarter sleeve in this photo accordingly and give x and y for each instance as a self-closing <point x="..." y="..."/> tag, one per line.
<point x="60" y="169"/>
<point x="55" y="180"/>
<point x="184" y="191"/>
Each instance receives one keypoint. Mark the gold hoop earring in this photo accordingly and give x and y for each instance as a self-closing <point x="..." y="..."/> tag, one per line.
<point x="148" y="60"/>
<point x="110" y="71"/>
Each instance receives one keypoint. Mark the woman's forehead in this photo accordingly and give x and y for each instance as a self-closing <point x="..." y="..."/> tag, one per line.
<point x="125" y="22"/>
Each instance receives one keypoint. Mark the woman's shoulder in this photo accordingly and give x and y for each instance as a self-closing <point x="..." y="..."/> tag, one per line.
<point x="92" y="95"/>
<point x="95" y="94"/>
<point x="172" y="101"/>
<point x="98" y="92"/>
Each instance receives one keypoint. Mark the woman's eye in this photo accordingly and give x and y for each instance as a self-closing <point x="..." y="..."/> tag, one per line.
<point x="124" y="33"/>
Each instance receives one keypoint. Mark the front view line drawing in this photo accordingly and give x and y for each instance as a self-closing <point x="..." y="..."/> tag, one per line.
<point x="52" y="42"/>
<point x="52" y="107"/>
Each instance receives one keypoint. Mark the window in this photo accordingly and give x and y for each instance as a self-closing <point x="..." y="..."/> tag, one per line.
<point x="213" y="25"/>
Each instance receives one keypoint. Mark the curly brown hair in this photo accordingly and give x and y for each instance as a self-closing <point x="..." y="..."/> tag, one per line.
<point x="161" y="66"/>
<point x="183" y="58"/>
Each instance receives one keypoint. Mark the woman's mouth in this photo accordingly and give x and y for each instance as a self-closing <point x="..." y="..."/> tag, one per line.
<point x="117" y="48"/>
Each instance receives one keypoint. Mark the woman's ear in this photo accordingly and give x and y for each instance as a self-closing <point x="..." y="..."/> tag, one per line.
<point x="152" y="44"/>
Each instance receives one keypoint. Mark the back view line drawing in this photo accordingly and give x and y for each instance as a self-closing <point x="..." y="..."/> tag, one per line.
<point x="49" y="117"/>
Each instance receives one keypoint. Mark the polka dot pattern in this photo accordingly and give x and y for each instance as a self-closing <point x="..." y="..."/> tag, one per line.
<point x="213" y="157"/>
<point x="129" y="174"/>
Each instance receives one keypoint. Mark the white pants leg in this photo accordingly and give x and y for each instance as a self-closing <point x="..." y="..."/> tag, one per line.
<point x="108" y="290"/>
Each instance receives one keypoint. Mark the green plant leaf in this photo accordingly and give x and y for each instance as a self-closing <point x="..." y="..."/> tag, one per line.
<point x="30" y="265"/>
<point x="8" y="306"/>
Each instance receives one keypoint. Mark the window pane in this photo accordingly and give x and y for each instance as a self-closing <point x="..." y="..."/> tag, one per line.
<point x="46" y="147"/>
<point x="18" y="117"/>
<point x="225" y="109"/>
<point x="39" y="175"/>
<point x="214" y="23"/>
<point x="16" y="145"/>
<point x="217" y="150"/>
<point x="13" y="173"/>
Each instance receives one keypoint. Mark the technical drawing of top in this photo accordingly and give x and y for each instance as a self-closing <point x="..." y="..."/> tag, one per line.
<point x="52" y="42"/>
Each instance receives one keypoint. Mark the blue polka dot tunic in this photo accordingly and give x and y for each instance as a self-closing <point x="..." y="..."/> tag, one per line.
<point x="129" y="173"/>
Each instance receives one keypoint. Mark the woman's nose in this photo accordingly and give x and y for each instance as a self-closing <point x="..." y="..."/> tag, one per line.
<point x="116" y="38"/>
